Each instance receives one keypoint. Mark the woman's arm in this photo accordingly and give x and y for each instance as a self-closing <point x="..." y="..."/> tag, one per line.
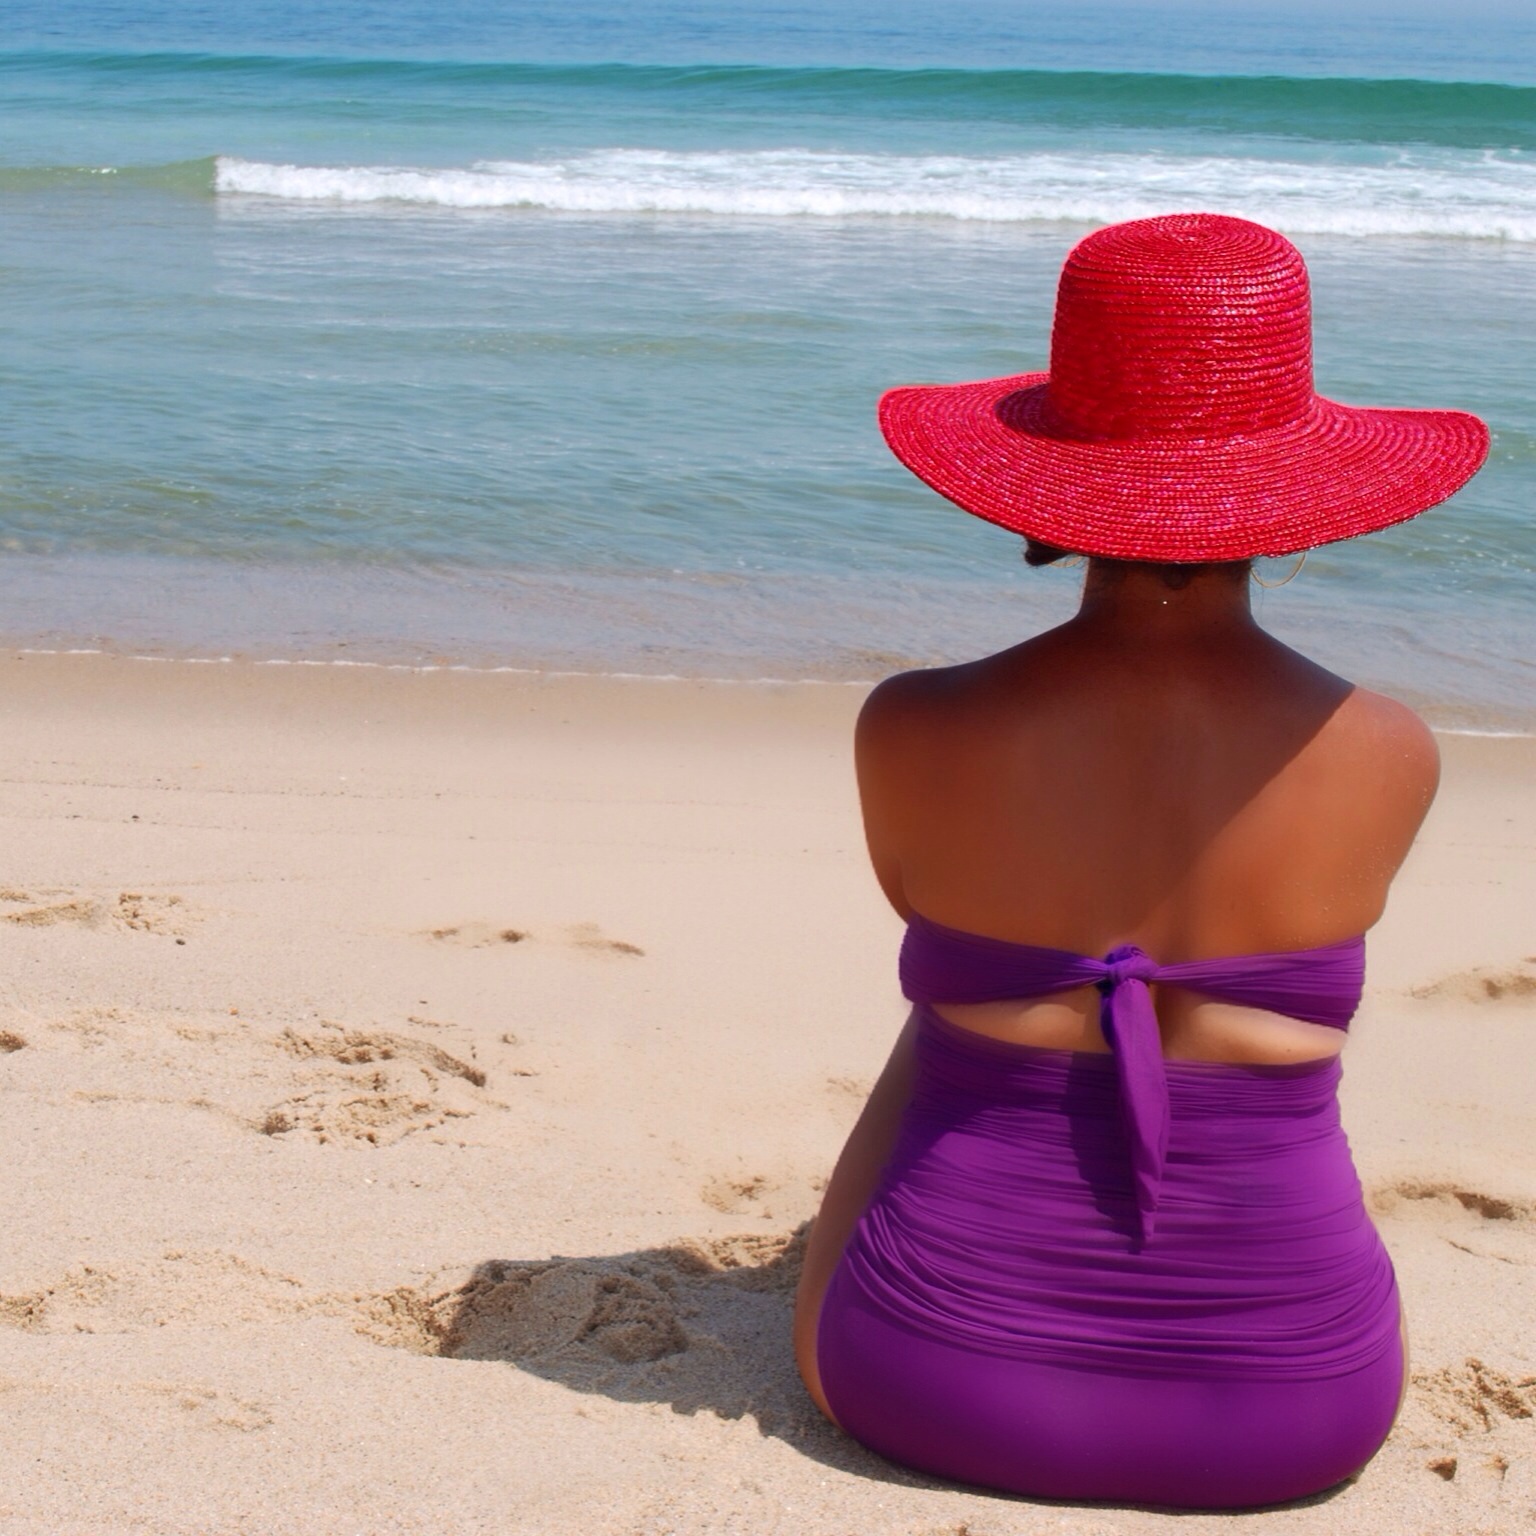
<point x="876" y="741"/>
<point x="884" y="721"/>
<point x="848" y="1192"/>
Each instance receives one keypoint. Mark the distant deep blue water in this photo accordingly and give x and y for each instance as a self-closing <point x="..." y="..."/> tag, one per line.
<point x="553" y="335"/>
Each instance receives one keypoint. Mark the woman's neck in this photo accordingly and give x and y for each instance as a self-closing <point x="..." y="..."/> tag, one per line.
<point x="1124" y="601"/>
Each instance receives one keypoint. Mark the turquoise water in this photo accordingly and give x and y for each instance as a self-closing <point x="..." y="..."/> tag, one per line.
<point x="553" y="337"/>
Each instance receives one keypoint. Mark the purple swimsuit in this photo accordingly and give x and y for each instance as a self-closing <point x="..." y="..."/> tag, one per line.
<point x="1117" y="1277"/>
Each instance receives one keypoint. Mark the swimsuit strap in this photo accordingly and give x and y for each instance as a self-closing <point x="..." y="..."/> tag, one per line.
<point x="947" y="965"/>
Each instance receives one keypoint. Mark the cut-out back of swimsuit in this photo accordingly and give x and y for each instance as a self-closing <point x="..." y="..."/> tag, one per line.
<point x="1319" y="986"/>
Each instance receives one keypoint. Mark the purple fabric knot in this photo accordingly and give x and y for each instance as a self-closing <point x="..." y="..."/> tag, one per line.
<point x="1127" y="962"/>
<point x="1130" y="1026"/>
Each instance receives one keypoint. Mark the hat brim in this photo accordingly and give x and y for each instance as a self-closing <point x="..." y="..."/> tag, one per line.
<point x="991" y="448"/>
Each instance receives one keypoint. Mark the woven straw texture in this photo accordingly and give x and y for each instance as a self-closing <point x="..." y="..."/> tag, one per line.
<point x="1178" y="420"/>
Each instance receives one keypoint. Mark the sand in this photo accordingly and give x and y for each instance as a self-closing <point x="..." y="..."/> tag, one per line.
<point x="414" y="1085"/>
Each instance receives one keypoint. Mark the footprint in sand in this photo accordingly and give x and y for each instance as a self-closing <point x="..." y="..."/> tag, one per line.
<point x="404" y="1086"/>
<point x="1473" y="1396"/>
<point x="590" y="937"/>
<point x="134" y="911"/>
<point x="211" y="1407"/>
<point x="739" y="1196"/>
<point x="584" y="936"/>
<point x="1388" y="1200"/>
<point x="140" y="1294"/>
<point x="26" y="1311"/>
<point x="627" y="1310"/>
<point x="766" y="1196"/>
<point x="203" y="1407"/>
<point x="1485" y="984"/>
<point x="353" y="1047"/>
<point x="366" y="1115"/>
<point x="94" y="1027"/>
<point x="512" y="1311"/>
<point x="1472" y="1221"/>
<point x="476" y="935"/>
<point x="855" y="1088"/>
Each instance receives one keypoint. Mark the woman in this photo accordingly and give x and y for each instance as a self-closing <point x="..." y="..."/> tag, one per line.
<point x="1097" y="1234"/>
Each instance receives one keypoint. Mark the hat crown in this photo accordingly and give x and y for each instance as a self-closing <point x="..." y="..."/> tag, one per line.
<point x="1188" y="325"/>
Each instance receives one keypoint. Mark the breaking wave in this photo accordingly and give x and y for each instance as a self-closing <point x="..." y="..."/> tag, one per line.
<point x="1483" y="195"/>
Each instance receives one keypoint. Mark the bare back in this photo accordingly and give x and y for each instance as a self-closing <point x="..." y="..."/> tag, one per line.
<point x="1174" y="779"/>
<point x="1160" y="772"/>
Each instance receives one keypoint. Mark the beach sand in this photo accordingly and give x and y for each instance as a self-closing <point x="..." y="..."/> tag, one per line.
<point x="414" y="1083"/>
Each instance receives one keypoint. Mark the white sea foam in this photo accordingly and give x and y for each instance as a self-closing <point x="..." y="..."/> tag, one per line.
<point x="1473" y="195"/>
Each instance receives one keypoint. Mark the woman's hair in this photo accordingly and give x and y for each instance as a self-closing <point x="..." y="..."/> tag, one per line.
<point x="1174" y="574"/>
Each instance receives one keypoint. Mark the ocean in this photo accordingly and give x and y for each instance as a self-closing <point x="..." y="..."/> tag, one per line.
<point x="549" y="335"/>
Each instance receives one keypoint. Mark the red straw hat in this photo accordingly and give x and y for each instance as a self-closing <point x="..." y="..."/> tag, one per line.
<point x="1178" y="420"/>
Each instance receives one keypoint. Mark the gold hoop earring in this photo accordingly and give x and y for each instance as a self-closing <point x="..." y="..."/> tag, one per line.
<point x="1295" y="571"/>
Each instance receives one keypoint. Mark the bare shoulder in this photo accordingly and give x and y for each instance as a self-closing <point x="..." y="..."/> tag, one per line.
<point x="907" y="704"/>
<point x="898" y="718"/>
<point x="1393" y="749"/>
<point x="922" y="725"/>
<point x="1384" y="725"/>
<point x="904" y="746"/>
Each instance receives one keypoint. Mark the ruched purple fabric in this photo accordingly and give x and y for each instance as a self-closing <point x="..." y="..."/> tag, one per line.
<point x="1113" y="1276"/>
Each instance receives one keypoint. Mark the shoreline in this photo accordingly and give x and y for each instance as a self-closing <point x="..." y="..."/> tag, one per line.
<point x="1462" y="671"/>
<point x="558" y="675"/>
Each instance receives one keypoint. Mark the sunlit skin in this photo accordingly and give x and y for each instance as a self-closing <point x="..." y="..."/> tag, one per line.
<point x="1157" y="771"/>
